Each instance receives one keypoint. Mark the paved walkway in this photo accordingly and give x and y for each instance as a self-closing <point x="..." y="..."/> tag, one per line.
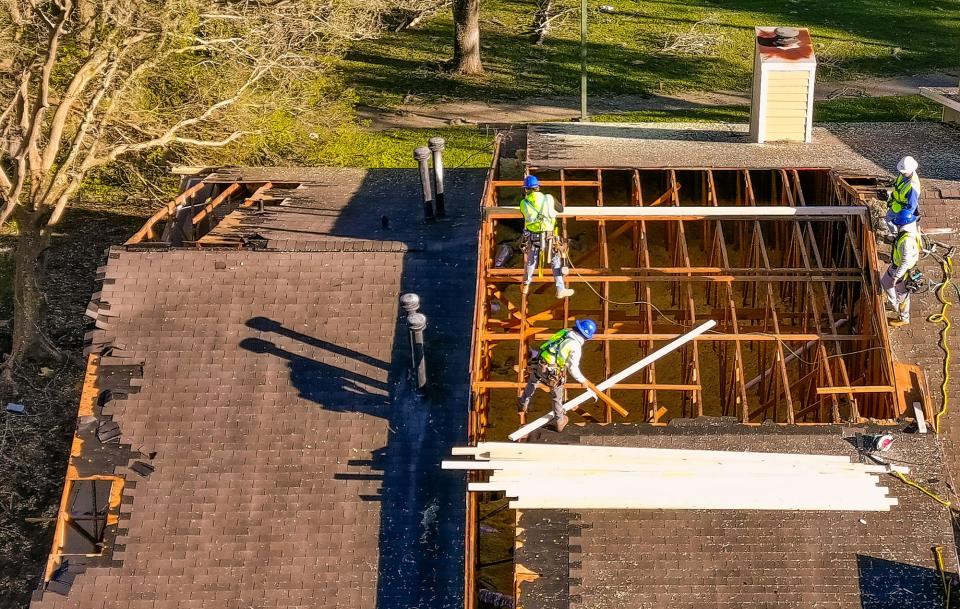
<point x="414" y="115"/>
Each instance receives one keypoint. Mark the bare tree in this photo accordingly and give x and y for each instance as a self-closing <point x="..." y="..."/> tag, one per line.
<point x="84" y="83"/>
<point x="466" y="44"/>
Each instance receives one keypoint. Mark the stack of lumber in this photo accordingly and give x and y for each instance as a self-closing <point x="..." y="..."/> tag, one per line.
<point x="552" y="476"/>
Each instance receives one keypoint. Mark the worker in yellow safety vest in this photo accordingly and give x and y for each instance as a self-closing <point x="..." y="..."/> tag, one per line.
<point x="559" y="355"/>
<point x="540" y="235"/>
<point x="903" y="204"/>
<point x="897" y="281"/>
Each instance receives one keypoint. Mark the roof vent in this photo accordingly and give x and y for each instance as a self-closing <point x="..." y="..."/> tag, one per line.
<point x="786" y="37"/>
<point x="783" y="77"/>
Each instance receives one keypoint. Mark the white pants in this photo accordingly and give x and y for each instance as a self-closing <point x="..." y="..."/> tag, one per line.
<point x="556" y="262"/>
<point x="897" y="294"/>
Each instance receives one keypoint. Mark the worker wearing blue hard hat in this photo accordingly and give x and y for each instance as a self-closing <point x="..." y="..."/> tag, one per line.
<point x="540" y="236"/>
<point x="553" y="360"/>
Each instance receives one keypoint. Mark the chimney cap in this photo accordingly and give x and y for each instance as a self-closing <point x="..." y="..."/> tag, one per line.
<point x="775" y="45"/>
<point x="786" y="32"/>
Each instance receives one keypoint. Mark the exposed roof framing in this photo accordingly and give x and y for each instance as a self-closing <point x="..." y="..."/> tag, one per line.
<point x="776" y="257"/>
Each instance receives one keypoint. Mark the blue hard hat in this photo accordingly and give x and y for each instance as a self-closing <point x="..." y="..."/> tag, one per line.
<point x="585" y="327"/>
<point x="531" y="182"/>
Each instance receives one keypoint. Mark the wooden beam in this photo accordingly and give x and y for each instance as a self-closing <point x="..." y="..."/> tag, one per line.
<point x="561" y="183"/>
<point x="482" y="385"/>
<point x="713" y="336"/>
<point x="855" y="389"/>
<point x="690" y="213"/>
<point x="516" y="276"/>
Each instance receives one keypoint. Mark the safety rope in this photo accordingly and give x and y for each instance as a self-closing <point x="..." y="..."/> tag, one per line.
<point x="946" y="266"/>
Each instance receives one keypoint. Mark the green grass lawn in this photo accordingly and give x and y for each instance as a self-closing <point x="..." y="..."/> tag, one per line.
<point x="472" y="147"/>
<point x="465" y="147"/>
<point x="854" y="37"/>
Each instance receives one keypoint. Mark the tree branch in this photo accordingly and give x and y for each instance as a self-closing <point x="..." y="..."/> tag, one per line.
<point x="65" y="168"/>
<point x="80" y="80"/>
<point x="171" y="135"/>
<point x="210" y="143"/>
<point x="32" y="142"/>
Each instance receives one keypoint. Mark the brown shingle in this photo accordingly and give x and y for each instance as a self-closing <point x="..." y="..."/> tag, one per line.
<point x="723" y="559"/>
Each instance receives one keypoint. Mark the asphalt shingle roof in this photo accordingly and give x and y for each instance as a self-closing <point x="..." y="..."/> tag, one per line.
<point x="292" y="464"/>
<point x="727" y="559"/>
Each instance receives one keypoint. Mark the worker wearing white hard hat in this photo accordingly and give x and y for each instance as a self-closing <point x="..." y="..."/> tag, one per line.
<point x="904" y="202"/>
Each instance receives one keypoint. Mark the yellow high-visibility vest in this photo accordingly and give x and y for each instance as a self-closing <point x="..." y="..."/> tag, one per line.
<point x="539" y="216"/>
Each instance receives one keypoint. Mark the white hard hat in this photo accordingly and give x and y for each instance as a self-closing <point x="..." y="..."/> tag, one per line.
<point x="907" y="164"/>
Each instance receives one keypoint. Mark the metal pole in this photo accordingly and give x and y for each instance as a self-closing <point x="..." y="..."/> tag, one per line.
<point x="583" y="61"/>
<point x="437" y="145"/>
<point x="418" y="323"/>
<point x="422" y="154"/>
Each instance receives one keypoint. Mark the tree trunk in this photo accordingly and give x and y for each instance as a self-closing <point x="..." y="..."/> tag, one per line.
<point x="29" y="338"/>
<point x="466" y="44"/>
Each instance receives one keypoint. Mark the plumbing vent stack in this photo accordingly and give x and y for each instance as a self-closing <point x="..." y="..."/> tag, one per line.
<point x="784" y="73"/>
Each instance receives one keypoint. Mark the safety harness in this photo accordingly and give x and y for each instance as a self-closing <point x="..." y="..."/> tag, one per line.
<point x="901" y="192"/>
<point x="550" y="362"/>
<point x="540" y="228"/>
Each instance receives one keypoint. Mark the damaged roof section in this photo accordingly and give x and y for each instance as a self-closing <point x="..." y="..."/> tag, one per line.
<point x="257" y="424"/>
<point x="245" y="403"/>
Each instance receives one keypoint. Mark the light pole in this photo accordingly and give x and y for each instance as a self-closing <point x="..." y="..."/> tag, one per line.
<point x="583" y="61"/>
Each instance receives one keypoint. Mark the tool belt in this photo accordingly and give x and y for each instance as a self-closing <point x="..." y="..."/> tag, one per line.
<point x="548" y="243"/>
<point x="913" y="281"/>
<point x="548" y="374"/>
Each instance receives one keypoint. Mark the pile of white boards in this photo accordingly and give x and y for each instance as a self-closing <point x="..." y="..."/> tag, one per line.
<point x="555" y="476"/>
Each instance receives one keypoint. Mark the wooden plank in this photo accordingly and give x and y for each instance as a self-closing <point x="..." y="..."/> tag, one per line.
<point x="689" y="213"/>
<point x="626" y="372"/>
<point x="532" y="450"/>
<point x="864" y="505"/>
<point x="624" y="486"/>
<point x="544" y="183"/>
<point x="584" y="470"/>
<point x="855" y="389"/>
<point x="688" y="496"/>
<point x="610" y="486"/>
<point x="616" y="334"/>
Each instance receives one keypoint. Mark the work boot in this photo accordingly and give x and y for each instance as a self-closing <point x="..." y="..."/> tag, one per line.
<point x="560" y="423"/>
<point x="564" y="292"/>
<point x="897" y="322"/>
<point x="524" y="288"/>
<point x="521" y="406"/>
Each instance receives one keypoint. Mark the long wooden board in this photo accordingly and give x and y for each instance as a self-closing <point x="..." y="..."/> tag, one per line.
<point x="693" y="212"/>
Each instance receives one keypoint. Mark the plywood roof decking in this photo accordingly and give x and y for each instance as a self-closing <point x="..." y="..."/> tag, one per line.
<point x="871" y="148"/>
<point x="726" y="559"/>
